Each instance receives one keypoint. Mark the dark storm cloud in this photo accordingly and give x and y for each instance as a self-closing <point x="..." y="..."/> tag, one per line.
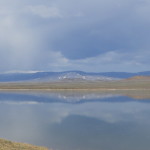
<point x="104" y="26"/>
<point x="74" y="35"/>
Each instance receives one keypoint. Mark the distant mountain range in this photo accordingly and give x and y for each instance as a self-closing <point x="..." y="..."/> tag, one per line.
<point x="68" y="75"/>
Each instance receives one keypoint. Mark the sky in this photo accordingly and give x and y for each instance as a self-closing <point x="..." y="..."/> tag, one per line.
<point x="86" y="35"/>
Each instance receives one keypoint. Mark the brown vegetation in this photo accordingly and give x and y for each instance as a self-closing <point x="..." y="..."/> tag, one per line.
<point x="139" y="78"/>
<point x="138" y="82"/>
<point x="8" y="145"/>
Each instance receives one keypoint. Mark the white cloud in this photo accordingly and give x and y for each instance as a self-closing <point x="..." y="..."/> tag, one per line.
<point x="109" y="61"/>
<point x="23" y="36"/>
<point x="17" y="42"/>
<point x="45" y="11"/>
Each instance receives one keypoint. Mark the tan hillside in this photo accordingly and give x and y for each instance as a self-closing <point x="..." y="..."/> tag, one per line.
<point x="8" y="145"/>
<point x="139" y="78"/>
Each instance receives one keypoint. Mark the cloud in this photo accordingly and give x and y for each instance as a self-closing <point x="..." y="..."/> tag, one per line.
<point x="16" y="43"/>
<point x="109" y="61"/>
<point x="68" y="35"/>
<point x="45" y="12"/>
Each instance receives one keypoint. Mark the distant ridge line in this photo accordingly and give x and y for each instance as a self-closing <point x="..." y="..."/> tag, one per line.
<point x="39" y="75"/>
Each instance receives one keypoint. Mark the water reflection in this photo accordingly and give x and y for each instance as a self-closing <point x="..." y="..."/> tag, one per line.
<point x="101" y="123"/>
<point x="33" y="97"/>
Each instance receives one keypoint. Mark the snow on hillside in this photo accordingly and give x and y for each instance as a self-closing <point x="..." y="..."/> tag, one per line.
<point x="74" y="75"/>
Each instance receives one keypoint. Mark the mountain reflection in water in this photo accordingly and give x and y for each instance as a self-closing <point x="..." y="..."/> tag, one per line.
<point x="77" y="120"/>
<point x="72" y="96"/>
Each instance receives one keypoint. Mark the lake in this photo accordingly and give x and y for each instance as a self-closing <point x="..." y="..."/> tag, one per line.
<point x="76" y="120"/>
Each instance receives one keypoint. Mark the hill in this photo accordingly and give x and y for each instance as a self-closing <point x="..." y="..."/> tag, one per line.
<point x="8" y="145"/>
<point x="55" y="76"/>
<point x="139" y="78"/>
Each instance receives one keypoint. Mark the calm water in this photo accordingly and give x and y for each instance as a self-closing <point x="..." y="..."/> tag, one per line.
<point x="76" y="121"/>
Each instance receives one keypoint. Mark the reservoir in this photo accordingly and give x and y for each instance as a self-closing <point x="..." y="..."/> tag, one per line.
<point x="76" y="120"/>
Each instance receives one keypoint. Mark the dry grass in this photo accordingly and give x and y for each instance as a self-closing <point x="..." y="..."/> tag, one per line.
<point x="123" y="84"/>
<point x="8" y="145"/>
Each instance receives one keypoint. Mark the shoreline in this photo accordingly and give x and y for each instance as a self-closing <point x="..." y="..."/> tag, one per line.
<point x="133" y="93"/>
<point x="9" y="145"/>
<point x="77" y="89"/>
<point x="76" y="85"/>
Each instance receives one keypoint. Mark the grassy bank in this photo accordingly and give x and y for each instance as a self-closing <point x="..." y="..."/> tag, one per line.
<point x="123" y="84"/>
<point x="8" y="145"/>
